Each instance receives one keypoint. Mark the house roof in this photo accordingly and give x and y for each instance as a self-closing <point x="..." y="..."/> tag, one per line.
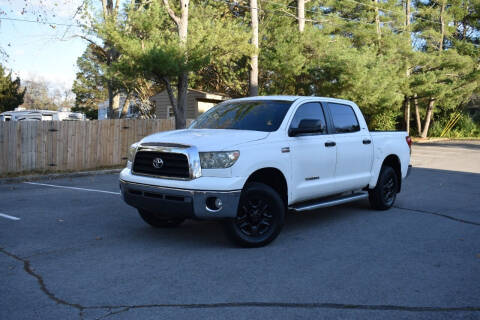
<point x="205" y="95"/>
<point x="213" y="93"/>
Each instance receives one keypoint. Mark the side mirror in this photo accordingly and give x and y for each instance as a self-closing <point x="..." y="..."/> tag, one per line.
<point x="307" y="126"/>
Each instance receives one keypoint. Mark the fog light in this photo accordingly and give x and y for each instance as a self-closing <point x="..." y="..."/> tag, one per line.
<point x="214" y="204"/>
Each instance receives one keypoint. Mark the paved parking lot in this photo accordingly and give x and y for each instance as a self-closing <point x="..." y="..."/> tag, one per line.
<point x="70" y="248"/>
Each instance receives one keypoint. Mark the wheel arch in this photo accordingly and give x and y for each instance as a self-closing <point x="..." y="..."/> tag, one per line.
<point x="274" y="178"/>
<point x="393" y="161"/>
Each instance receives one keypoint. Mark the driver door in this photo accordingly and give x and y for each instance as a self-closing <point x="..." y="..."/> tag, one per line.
<point x="313" y="155"/>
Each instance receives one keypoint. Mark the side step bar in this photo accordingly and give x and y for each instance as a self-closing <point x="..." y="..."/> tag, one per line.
<point x="329" y="202"/>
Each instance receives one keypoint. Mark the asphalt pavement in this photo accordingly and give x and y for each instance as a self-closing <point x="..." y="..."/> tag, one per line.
<point x="71" y="249"/>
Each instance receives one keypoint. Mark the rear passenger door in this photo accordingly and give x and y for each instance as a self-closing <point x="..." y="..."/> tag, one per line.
<point x="354" y="148"/>
<point x="313" y="155"/>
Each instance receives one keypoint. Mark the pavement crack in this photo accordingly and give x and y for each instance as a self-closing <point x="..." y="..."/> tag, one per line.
<point x="440" y="215"/>
<point x="111" y="312"/>
<point x="313" y="305"/>
<point x="28" y="269"/>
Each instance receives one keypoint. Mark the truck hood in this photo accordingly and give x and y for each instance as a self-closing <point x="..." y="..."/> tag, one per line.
<point x="207" y="139"/>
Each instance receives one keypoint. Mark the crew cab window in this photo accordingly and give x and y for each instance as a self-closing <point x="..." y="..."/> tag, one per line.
<point x="344" y="118"/>
<point x="309" y="115"/>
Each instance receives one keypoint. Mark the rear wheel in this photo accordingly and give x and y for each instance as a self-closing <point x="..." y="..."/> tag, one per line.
<point x="158" y="221"/>
<point x="383" y="196"/>
<point x="260" y="216"/>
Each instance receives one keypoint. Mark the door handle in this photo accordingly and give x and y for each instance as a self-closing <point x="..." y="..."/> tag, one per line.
<point x="330" y="144"/>
<point x="367" y="141"/>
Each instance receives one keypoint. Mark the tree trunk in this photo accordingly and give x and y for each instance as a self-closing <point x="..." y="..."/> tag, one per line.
<point x="442" y="25"/>
<point x="113" y="101"/>
<point x="431" y="102"/>
<point x="180" y="105"/>
<point x="183" y="25"/>
<point x="109" y="12"/>
<point x="407" y="16"/>
<point x="124" y="109"/>
<point x="417" y="114"/>
<point x="182" y="89"/>
<point x="407" y="65"/>
<point x="406" y="103"/>
<point x="171" y="96"/>
<point x="301" y="15"/>
<point x="110" y="100"/>
<point x="377" y="22"/>
<point x="254" y="58"/>
<point x="428" y="117"/>
<point x="182" y="85"/>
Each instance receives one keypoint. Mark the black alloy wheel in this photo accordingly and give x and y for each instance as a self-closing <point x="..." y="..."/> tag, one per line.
<point x="254" y="217"/>
<point x="260" y="216"/>
<point x="383" y="196"/>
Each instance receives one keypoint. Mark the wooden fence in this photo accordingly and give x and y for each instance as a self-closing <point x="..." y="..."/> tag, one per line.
<point x="42" y="146"/>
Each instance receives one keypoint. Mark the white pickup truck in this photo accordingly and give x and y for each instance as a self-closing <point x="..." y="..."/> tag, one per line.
<point x="248" y="161"/>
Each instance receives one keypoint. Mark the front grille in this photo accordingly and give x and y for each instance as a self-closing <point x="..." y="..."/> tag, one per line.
<point x="175" y="165"/>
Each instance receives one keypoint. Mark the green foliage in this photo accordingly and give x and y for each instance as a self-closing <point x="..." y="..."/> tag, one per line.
<point x="11" y="95"/>
<point x="149" y="46"/>
<point x="385" y="120"/>
<point x="342" y="53"/>
<point x="90" y="113"/>
<point x="89" y="86"/>
<point x="465" y="127"/>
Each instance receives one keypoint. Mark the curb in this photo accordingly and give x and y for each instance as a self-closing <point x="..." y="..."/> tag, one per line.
<point x="58" y="175"/>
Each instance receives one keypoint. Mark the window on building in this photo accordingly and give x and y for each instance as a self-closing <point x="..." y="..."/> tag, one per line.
<point x="170" y="113"/>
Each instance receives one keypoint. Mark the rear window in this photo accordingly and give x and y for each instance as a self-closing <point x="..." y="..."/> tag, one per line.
<point x="344" y="118"/>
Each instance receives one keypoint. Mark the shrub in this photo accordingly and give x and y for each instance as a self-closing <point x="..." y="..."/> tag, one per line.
<point x="386" y="120"/>
<point x="465" y="127"/>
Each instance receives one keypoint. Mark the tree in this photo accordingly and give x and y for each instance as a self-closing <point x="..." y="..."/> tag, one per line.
<point x="443" y="75"/>
<point x="179" y="103"/>
<point x="254" y="57"/>
<point x="153" y="45"/>
<point x="103" y="47"/>
<point x="11" y="95"/>
<point x="90" y="84"/>
<point x="406" y="101"/>
<point x="384" y="55"/>
<point x="37" y="95"/>
<point x="301" y="15"/>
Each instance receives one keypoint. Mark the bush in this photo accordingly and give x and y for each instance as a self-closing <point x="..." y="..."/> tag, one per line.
<point x="386" y="120"/>
<point x="465" y="127"/>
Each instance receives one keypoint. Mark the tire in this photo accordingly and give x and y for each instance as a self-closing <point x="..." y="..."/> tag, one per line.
<point x="383" y="196"/>
<point x="157" y="221"/>
<point x="260" y="216"/>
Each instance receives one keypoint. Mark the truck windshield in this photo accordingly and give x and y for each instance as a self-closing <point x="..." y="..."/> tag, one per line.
<point x="266" y="115"/>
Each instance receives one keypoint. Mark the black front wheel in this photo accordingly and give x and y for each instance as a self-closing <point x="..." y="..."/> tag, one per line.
<point x="159" y="221"/>
<point x="383" y="196"/>
<point x="260" y="216"/>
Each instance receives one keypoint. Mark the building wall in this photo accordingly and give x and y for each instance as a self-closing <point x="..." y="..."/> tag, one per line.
<point x="162" y="102"/>
<point x="103" y="109"/>
<point x="204" y="106"/>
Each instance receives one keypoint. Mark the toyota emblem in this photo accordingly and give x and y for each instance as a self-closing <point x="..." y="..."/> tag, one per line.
<point x="157" y="163"/>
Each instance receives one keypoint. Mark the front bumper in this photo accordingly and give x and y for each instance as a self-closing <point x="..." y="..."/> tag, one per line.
<point x="172" y="202"/>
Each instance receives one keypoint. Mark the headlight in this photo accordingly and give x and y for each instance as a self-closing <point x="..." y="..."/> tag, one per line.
<point x="218" y="160"/>
<point x="131" y="151"/>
